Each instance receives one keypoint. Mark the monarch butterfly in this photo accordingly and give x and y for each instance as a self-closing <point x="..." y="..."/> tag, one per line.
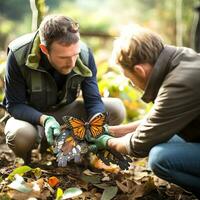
<point x="80" y="127"/>
<point x="67" y="148"/>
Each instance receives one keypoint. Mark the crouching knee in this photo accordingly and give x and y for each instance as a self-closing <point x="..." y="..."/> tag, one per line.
<point x="20" y="136"/>
<point x="157" y="162"/>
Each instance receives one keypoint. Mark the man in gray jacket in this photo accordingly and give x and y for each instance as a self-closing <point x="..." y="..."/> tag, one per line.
<point x="170" y="134"/>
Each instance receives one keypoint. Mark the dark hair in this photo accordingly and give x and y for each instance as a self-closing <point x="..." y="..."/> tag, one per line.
<point x="58" y="28"/>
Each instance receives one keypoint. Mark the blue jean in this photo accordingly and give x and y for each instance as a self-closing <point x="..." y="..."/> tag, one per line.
<point x="178" y="162"/>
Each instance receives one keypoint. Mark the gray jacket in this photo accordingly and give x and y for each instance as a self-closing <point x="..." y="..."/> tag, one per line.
<point x="174" y="87"/>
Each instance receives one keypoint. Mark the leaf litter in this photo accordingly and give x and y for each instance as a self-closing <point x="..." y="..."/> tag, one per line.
<point x="44" y="180"/>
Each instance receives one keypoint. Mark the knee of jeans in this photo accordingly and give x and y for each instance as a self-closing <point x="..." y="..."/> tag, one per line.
<point x="159" y="162"/>
<point x="116" y="110"/>
<point x="21" y="139"/>
<point x="156" y="159"/>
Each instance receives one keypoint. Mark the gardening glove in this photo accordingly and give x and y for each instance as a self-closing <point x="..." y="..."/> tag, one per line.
<point x="114" y="157"/>
<point x="99" y="143"/>
<point x="52" y="129"/>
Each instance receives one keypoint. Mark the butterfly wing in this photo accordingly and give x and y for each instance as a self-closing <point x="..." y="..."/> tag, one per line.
<point x="68" y="145"/>
<point x="97" y="123"/>
<point x="77" y="126"/>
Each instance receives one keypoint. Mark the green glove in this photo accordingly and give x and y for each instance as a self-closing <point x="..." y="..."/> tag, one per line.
<point x="98" y="143"/>
<point x="52" y="128"/>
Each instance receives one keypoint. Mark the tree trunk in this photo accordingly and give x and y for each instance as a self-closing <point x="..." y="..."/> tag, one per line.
<point x="39" y="9"/>
<point x="179" y="29"/>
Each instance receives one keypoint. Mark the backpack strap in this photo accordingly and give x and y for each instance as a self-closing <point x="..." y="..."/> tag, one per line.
<point x="21" y="47"/>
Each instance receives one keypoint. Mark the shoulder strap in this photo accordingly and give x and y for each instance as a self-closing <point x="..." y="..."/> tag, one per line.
<point x="21" y="41"/>
<point x="21" y="47"/>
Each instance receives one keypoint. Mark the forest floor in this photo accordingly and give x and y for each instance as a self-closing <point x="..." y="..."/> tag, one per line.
<point x="95" y="184"/>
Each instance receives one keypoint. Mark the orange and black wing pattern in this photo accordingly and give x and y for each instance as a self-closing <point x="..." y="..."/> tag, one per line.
<point x="77" y="126"/>
<point x="97" y="123"/>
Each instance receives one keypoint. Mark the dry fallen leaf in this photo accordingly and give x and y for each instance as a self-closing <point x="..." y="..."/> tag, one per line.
<point x="99" y="164"/>
<point x="127" y="186"/>
<point x="143" y="189"/>
<point x="38" y="191"/>
<point x="88" y="172"/>
<point x="140" y="162"/>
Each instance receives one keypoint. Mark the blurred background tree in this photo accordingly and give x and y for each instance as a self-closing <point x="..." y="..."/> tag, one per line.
<point x="100" y="22"/>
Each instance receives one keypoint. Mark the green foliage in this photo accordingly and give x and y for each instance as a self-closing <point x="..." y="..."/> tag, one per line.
<point x="14" y="10"/>
<point x="79" y="11"/>
<point x="71" y="192"/>
<point x="108" y="17"/>
<point x="113" y="84"/>
<point x="109" y="193"/>
<point x="59" y="194"/>
<point x="20" y="171"/>
<point x="105" y="16"/>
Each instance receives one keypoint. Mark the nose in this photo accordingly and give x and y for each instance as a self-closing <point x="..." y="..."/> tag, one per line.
<point x="71" y="61"/>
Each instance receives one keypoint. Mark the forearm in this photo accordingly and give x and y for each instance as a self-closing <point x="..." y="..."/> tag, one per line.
<point x="90" y="91"/>
<point x="92" y="98"/>
<point x="121" y="130"/>
<point x="42" y="119"/>
<point x="25" y="113"/>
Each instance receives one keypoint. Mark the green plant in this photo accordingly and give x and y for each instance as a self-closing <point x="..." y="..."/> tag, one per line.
<point x="113" y="84"/>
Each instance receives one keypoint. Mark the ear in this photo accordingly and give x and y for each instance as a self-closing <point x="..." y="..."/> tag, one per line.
<point x="140" y="71"/>
<point x="44" y="49"/>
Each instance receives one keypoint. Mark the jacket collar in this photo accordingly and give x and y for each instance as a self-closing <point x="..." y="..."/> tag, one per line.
<point x="34" y="58"/>
<point x="160" y="69"/>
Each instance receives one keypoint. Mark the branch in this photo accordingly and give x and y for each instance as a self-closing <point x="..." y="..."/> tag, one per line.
<point x="97" y="34"/>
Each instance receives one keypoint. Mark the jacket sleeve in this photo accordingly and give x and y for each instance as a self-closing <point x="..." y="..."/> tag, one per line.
<point x="91" y="95"/>
<point x="15" y="93"/>
<point x="175" y="106"/>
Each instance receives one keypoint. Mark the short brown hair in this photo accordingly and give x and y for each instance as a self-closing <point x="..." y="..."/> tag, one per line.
<point x="58" y="28"/>
<point x="136" y="45"/>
